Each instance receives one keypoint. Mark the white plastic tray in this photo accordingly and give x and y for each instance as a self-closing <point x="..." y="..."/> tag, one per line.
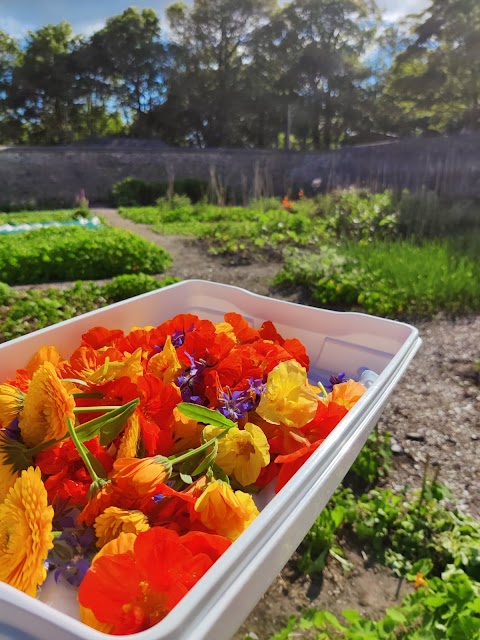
<point x="221" y="600"/>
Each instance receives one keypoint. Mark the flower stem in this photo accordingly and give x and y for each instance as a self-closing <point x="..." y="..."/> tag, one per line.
<point x="199" y="449"/>
<point x="82" y="450"/>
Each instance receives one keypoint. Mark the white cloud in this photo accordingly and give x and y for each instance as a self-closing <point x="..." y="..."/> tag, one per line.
<point x="87" y="28"/>
<point x="394" y="10"/>
<point x="15" y="28"/>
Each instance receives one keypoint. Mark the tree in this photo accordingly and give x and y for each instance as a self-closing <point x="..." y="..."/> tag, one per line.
<point x="321" y="44"/>
<point x="126" y="61"/>
<point x="8" y="57"/>
<point x="436" y="80"/>
<point x="42" y="92"/>
<point x="210" y="50"/>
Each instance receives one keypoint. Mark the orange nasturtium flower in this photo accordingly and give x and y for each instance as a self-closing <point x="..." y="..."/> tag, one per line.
<point x="46" y="407"/>
<point x="224" y="511"/>
<point x="242" y="452"/>
<point x="141" y="475"/>
<point x="288" y="398"/>
<point x="25" y="533"/>
<point x="114" y="521"/>
<point x="346" y="394"/>
<point x="419" y="581"/>
<point x="135" y="581"/>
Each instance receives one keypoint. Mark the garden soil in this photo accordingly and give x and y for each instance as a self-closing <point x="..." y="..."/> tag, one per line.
<point x="433" y="416"/>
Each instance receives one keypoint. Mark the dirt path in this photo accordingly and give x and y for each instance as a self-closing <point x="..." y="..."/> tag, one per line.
<point x="190" y="260"/>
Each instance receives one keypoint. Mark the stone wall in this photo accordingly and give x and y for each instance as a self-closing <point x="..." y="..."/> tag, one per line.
<point x="449" y="165"/>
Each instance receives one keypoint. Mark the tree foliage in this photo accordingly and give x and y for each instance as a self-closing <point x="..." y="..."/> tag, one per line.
<point x="310" y="74"/>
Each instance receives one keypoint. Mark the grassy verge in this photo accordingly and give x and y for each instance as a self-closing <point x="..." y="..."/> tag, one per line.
<point x="396" y="279"/>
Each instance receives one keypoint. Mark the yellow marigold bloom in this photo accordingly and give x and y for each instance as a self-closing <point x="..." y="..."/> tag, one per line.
<point x="166" y="365"/>
<point x="46" y="408"/>
<point x="44" y="354"/>
<point x="289" y="398"/>
<point x="7" y="475"/>
<point x="141" y="474"/>
<point x="226" y="327"/>
<point x="114" y="521"/>
<point x="242" y="453"/>
<point x="11" y="403"/>
<point x="346" y="393"/>
<point x="25" y="533"/>
<point x="131" y="367"/>
<point x="224" y="511"/>
<point x="130" y="439"/>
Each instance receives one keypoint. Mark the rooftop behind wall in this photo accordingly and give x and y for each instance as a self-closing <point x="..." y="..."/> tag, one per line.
<point x="449" y="165"/>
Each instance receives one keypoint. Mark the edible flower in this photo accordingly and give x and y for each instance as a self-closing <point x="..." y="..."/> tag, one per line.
<point x="25" y="533"/>
<point x="132" y="590"/>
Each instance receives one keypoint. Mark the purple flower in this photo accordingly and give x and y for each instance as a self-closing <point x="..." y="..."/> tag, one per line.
<point x="235" y="404"/>
<point x="13" y="431"/>
<point x="338" y="379"/>
<point x="189" y="382"/>
<point x="72" y="554"/>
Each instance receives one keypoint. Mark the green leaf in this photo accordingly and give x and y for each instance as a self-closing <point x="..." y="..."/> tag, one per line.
<point x="109" y="425"/>
<point x="396" y="615"/>
<point x="423" y="566"/>
<point x="351" y="615"/>
<point x="186" y="478"/>
<point x="112" y="426"/>
<point x="204" y="415"/>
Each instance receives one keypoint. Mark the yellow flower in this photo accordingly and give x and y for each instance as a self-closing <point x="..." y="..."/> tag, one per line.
<point x="44" y="354"/>
<point x="130" y="439"/>
<point x="46" y="408"/>
<point x="224" y="511"/>
<point x="187" y="433"/>
<point x="226" y="327"/>
<point x="166" y="365"/>
<point x="114" y="521"/>
<point x="25" y="533"/>
<point x="11" y="402"/>
<point x="288" y="399"/>
<point x="242" y="453"/>
<point x="7" y="475"/>
<point x="131" y="367"/>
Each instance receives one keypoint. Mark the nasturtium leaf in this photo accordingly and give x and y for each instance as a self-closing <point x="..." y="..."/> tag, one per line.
<point x="204" y="415"/>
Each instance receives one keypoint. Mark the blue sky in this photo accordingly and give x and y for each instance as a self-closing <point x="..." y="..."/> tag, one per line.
<point x="17" y="17"/>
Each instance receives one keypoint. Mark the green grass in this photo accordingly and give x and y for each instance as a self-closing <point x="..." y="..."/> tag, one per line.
<point x="422" y="279"/>
<point x="395" y="279"/>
